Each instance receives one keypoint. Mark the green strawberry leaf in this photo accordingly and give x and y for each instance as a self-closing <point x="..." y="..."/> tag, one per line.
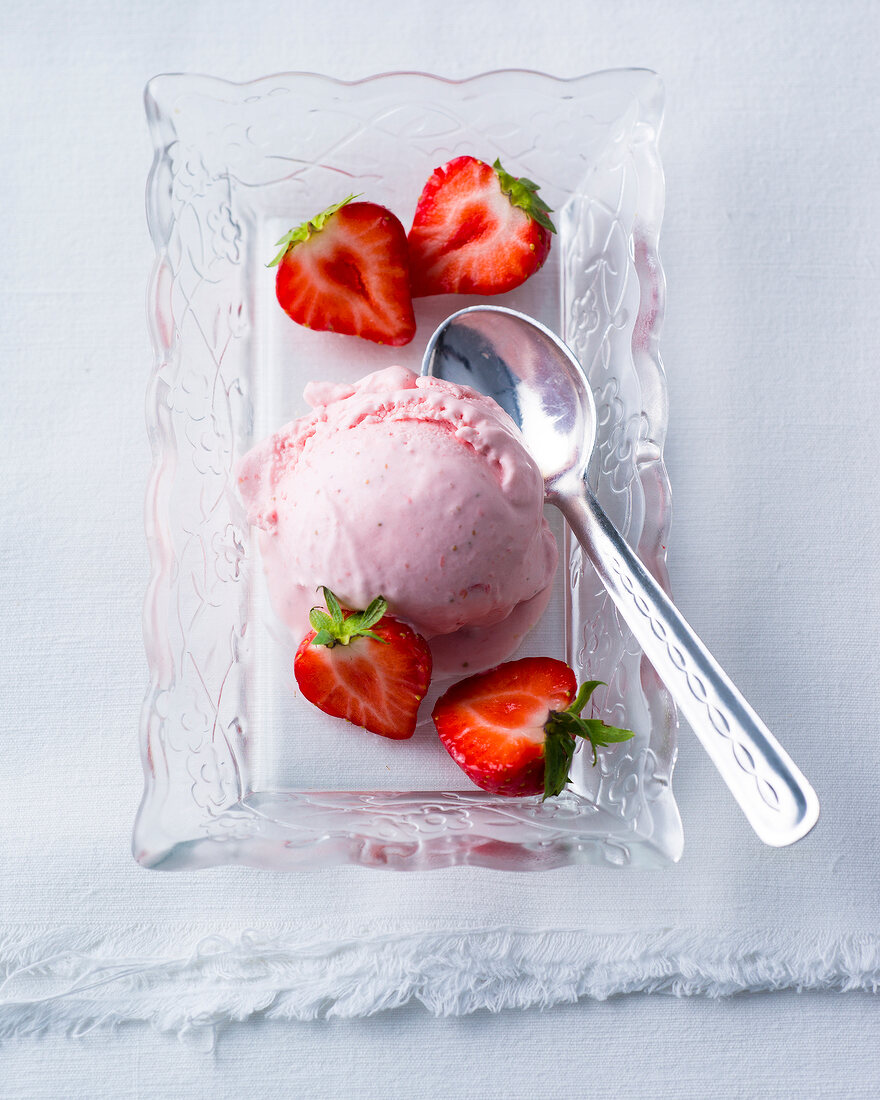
<point x="319" y="619"/>
<point x="598" y="734"/>
<point x="375" y="610"/>
<point x="582" y="698"/>
<point x="602" y="734"/>
<point x="362" y="620"/>
<point x="558" y="754"/>
<point x="333" y="607"/>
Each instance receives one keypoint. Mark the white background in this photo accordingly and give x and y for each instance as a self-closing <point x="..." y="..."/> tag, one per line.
<point x="772" y="158"/>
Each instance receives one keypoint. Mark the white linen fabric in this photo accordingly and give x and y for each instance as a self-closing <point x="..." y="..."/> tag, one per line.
<point x="77" y="982"/>
<point x="770" y="349"/>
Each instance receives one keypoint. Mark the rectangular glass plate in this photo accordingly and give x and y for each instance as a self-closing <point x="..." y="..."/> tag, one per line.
<point x="238" y="768"/>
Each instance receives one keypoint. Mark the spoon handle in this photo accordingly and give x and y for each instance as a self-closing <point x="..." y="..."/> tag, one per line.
<point x="779" y="803"/>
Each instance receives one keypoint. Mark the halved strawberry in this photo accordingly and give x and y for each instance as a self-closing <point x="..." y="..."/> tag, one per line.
<point x="364" y="666"/>
<point x="512" y="729"/>
<point x="477" y="230"/>
<point x="347" y="270"/>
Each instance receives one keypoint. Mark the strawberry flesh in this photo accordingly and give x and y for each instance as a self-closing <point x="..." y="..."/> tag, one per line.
<point x="347" y="271"/>
<point x="468" y="237"/>
<point x="374" y="684"/>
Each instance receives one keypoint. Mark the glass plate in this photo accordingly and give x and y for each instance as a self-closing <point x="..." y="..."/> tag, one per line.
<point x="239" y="769"/>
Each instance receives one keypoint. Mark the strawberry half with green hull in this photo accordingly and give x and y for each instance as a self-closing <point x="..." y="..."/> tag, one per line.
<point x="364" y="666"/>
<point x="477" y="230"/>
<point x="514" y="729"/>
<point x="347" y="270"/>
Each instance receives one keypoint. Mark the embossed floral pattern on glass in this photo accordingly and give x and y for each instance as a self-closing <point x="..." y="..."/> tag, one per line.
<point x="238" y="768"/>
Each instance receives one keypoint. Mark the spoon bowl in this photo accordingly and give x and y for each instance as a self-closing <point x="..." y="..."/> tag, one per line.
<point x="530" y="373"/>
<point x="538" y="381"/>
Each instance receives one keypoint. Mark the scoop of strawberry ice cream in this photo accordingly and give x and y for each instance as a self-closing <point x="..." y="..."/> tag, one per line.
<point x="414" y="489"/>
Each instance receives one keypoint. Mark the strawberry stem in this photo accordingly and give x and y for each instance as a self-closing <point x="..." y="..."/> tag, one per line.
<point x="562" y="729"/>
<point x="303" y="232"/>
<point x="523" y="193"/>
<point x="339" y="627"/>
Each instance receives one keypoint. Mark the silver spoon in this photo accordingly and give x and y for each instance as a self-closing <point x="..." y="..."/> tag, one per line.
<point x="539" y="382"/>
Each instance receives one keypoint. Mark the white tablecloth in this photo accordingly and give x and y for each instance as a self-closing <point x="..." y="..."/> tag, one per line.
<point x="769" y="245"/>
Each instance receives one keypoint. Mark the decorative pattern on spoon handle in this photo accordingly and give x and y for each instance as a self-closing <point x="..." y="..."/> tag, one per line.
<point x="776" y="798"/>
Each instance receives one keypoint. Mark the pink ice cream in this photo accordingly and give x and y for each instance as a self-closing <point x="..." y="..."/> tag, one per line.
<point x="414" y="489"/>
